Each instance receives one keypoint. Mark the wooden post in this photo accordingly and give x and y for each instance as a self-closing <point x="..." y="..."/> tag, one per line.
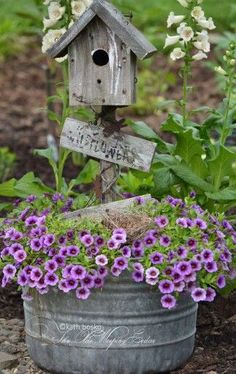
<point x="109" y="171"/>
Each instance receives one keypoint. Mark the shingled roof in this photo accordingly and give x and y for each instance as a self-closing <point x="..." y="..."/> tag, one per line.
<point x="113" y="18"/>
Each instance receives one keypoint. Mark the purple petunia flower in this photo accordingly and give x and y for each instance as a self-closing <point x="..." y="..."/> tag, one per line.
<point x="190" y="277"/>
<point x="71" y="283"/>
<point x="41" y="283"/>
<point x="166" y="286"/>
<point x="165" y="241"/>
<point x="220" y="234"/>
<point x="17" y="235"/>
<point x="156" y="258"/>
<point x="60" y="260"/>
<point x="227" y="225"/>
<point x="102" y="271"/>
<point x="15" y="248"/>
<point x="115" y="271"/>
<point x="200" y="223"/>
<point x="57" y="197"/>
<point x="139" y="267"/>
<point x="182" y="252"/>
<point x="139" y="200"/>
<point x="192" y="194"/>
<point x="70" y="234"/>
<point x="31" y="220"/>
<point x="20" y="255"/>
<point x="207" y="255"/>
<point x="195" y="265"/>
<point x="113" y="244"/>
<point x="126" y="251"/>
<point x="168" y="301"/>
<point x="226" y="256"/>
<point x="82" y="293"/>
<point x="176" y="276"/>
<point x="36" y="244"/>
<point x="179" y="286"/>
<point x="9" y="271"/>
<point x="27" y="269"/>
<point x="9" y="234"/>
<point x="168" y="271"/>
<point x="31" y="198"/>
<point x="161" y="221"/>
<point x="62" y="285"/>
<point x="26" y="296"/>
<point x="63" y="251"/>
<point x="138" y="252"/>
<point x="138" y="276"/>
<point x="87" y="240"/>
<point x="66" y="272"/>
<point x="23" y="214"/>
<point x="73" y="250"/>
<point x="87" y="281"/>
<point x="48" y="240"/>
<point x="197" y="208"/>
<point x="211" y="267"/>
<point x="153" y="232"/>
<point x="94" y="251"/>
<point x="152" y="272"/>
<point x="35" y="274"/>
<point x="98" y="282"/>
<point x="119" y="235"/>
<point x="182" y="222"/>
<point x="210" y="294"/>
<point x="121" y="263"/>
<point x="77" y="272"/>
<point x="184" y="267"/>
<point x="51" y="279"/>
<point x="221" y="282"/>
<point x="101" y="260"/>
<point x="43" y="290"/>
<point x="99" y="241"/>
<point x="35" y="232"/>
<point x="22" y="279"/>
<point x="51" y="266"/>
<point x="192" y="243"/>
<point x="198" y="294"/>
<point x="5" y="252"/>
<point x="52" y="252"/>
<point x="151" y="281"/>
<point x="149" y="241"/>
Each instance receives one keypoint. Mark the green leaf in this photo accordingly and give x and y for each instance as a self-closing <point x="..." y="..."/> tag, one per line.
<point x="222" y="166"/>
<point x="49" y="155"/>
<point x="164" y="179"/>
<point x="7" y="188"/>
<point x="228" y="194"/>
<point x="188" y="146"/>
<point x="30" y="185"/>
<point x="87" y="174"/>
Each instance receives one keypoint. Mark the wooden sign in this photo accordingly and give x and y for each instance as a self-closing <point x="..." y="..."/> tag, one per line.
<point x="99" y="210"/>
<point x="118" y="148"/>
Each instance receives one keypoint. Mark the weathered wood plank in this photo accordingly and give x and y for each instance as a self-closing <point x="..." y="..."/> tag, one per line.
<point x="110" y="84"/>
<point x="122" y="27"/>
<point x="121" y="149"/>
<point x="99" y="210"/>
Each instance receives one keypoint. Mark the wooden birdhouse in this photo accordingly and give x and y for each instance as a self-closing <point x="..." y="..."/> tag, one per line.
<point x="103" y="47"/>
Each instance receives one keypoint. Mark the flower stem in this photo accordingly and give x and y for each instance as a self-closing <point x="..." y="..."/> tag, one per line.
<point x="225" y="130"/>
<point x="186" y="71"/>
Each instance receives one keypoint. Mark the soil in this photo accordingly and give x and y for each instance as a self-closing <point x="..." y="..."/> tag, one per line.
<point x="23" y="127"/>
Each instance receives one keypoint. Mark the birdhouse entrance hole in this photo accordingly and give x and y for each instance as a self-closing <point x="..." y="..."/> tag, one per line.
<point x="100" y="57"/>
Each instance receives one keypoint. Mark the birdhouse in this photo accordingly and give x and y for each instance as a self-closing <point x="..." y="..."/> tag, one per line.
<point x="103" y="47"/>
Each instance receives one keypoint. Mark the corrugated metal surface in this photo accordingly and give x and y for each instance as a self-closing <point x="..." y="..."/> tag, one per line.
<point x="120" y="330"/>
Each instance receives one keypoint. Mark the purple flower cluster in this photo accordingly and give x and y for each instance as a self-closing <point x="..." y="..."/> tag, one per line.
<point x="184" y="250"/>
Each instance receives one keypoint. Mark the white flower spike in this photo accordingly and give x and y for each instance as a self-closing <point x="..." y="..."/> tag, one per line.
<point x="202" y="41"/>
<point x="170" y="40"/>
<point x="199" y="56"/>
<point x="55" y="11"/>
<point x="51" y="37"/>
<point x="206" y="23"/>
<point x="173" y="19"/>
<point x="176" y="54"/>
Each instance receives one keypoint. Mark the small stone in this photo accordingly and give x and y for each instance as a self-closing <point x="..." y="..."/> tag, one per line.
<point x="7" y="361"/>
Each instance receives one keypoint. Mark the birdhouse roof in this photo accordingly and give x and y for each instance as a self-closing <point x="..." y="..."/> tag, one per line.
<point x="113" y="18"/>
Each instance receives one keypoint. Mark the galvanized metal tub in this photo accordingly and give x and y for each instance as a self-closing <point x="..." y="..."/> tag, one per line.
<point x="120" y="330"/>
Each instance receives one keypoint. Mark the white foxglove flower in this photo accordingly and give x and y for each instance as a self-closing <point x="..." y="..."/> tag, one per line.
<point x="173" y="19"/>
<point x="199" y="56"/>
<point x="87" y="3"/>
<point x="51" y="37"/>
<point x="55" y="11"/>
<point x="181" y="27"/>
<point x="170" y="40"/>
<point x="61" y="59"/>
<point x="206" y="23"/>
<point x="78" y="8"/>
<point x="48" y="22"/>
<point x="186" y="33"/>
<point x="202" y="41"/>
<point x="184" y="3"/>
<point x="220" y="70"/>
<point x="176" y="54"/>
<point x="197" y="13"/>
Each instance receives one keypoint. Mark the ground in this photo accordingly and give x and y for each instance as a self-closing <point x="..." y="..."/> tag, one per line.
<point x="23" y="127"/>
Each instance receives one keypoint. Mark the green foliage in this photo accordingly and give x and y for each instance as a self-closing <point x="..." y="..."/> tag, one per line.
<point x="7" y="163"/>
